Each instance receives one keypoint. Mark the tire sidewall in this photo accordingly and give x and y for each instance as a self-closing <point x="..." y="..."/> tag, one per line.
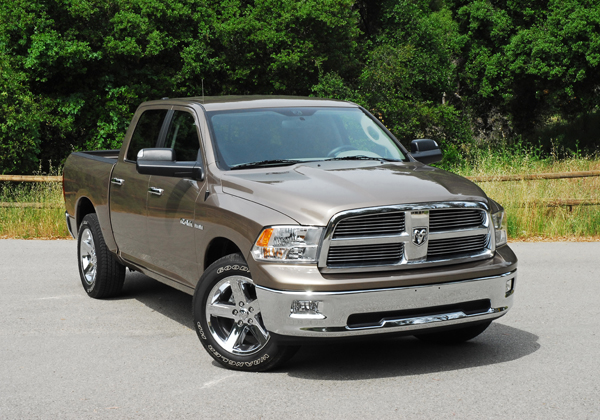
<point x="263" y="359"/>
<point x="87" y="224"/>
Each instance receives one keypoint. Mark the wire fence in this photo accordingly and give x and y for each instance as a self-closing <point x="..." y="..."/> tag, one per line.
<point x="30" y="178"/>
<point x="534" y="177"/>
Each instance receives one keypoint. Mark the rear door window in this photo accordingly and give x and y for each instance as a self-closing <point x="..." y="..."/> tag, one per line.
<point x="147" y="131"/>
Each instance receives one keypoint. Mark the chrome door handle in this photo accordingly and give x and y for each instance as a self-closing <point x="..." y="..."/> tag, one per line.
<point x="156" y="191"/>
<point x="117" y="181"/>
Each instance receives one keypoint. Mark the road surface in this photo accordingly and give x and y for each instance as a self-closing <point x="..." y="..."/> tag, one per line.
<point x="64" y="355"/>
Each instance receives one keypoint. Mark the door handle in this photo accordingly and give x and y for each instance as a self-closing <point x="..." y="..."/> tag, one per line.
<point x="156" y="191"/>
<point x="117" y="181"/>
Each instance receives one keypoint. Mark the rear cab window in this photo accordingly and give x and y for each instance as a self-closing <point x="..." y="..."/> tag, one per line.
<point x="147" y="132"/>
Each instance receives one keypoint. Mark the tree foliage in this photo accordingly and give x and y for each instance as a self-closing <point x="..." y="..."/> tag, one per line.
<point x="529" y="61"/>
<point x="72" y="72"/>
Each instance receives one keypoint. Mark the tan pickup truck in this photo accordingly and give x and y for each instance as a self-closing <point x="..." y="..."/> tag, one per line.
<point x="289" y="219"/>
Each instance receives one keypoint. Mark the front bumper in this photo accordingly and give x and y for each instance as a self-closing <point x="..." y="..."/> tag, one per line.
<point x="402" y="309"/>
<point x="69" y="220"/>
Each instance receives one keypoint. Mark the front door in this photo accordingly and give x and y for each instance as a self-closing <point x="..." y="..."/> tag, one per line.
<point x="171" y="206"/>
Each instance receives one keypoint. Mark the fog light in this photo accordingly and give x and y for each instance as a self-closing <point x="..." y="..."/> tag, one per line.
<point x="306" y="309"/>
<point x="509" y="287"/>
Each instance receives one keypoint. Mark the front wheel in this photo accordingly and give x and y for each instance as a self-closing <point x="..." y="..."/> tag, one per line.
<point x="229" y="322"/>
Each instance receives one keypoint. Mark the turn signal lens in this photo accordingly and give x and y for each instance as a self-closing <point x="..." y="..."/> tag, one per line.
<point x="265" y="236"/>
<point x="288" y="244"/>
<point x="500" y="227"/>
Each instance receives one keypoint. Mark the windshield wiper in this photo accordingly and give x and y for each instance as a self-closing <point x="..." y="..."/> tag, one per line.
<point x="272" y="162"/>
<point x="362" y="157"/>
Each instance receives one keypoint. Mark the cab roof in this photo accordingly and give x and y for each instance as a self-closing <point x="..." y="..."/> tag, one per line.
<point x="222" y="103"/>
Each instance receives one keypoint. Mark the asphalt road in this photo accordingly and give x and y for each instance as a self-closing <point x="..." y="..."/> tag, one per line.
<point x="64" y="355"/>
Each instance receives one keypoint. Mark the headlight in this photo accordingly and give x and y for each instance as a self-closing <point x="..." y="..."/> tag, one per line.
<point x="500" y="226"/>
<point x="288" y="244"/>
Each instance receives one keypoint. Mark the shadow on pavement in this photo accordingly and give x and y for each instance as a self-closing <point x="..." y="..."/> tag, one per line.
<point x="379" y="358"/>
<point x="407" y="356"/>
<point x="159" y="297"/>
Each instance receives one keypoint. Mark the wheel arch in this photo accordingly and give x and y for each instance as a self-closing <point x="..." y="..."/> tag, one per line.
<point x="220" y="247"/>
<point x="84" y="207"/>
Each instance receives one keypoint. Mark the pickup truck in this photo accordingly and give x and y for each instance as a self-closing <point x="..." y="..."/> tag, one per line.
<point x="289" y="220"/>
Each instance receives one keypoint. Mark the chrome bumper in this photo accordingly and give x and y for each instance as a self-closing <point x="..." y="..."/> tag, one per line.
<point x="69" y="218"/>
<point x="334" y="308"/>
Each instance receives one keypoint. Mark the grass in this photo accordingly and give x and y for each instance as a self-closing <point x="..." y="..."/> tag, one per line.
<point x="527" y="219"/>
<point x="33" y="223"/>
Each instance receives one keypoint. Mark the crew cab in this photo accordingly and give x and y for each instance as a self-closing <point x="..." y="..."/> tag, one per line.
<point x="289" y="220"/>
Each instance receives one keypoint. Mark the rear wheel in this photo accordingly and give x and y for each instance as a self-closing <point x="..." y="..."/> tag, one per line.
<point x="456" y="336"/>
<point x="229" y="322"/>
<point x="101" y="274"/>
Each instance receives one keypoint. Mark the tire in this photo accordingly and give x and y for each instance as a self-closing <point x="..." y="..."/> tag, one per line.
<point x="456" y="336"/>
<point x="102" y="276"/>
<point x="228" y="319"/>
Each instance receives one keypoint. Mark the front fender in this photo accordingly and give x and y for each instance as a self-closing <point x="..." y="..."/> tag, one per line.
<point x="235" y="219"/>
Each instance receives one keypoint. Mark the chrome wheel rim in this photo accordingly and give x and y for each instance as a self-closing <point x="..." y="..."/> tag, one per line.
<point x="87" y="257"/>
<point x="234" y="318"/>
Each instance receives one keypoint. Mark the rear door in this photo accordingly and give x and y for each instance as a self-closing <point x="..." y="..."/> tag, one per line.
<point x="129" y="190"/>
<point x="172" y="204"/>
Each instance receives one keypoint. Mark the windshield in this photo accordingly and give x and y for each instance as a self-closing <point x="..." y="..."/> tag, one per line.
<point x="257" y="137"/>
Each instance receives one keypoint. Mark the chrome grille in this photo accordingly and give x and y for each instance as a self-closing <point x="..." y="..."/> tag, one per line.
<point x="385" y="238"/>
<point x="449" y="219"/>
<point x="450" y="246"/>
<point x="365" y="255"/>
<point x="378" y="224"/>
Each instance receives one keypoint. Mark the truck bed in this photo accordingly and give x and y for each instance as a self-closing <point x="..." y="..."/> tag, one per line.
<point x="87" y="174"/>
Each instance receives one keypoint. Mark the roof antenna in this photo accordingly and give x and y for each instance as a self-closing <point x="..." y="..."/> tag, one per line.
<point x="203" y="91"/>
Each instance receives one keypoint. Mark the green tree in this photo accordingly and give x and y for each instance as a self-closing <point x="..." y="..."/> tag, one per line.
<point x="74" y="71"/>
<point x="408" y="76"/>
<point x="524" y="62"/>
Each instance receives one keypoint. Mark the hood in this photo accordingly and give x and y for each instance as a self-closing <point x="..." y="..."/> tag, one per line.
<point x="311" y="193"/>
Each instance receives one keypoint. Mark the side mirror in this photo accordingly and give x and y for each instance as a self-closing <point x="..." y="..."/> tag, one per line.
<point x="162" y="162"/>
<point x="157" y="154"/>
<point x="425" y="151"/>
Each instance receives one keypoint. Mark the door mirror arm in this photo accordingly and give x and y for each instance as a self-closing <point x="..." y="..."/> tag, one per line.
<point x="198" y="172"/>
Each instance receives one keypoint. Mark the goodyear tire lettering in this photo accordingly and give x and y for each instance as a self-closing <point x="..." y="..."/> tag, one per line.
<point x="221" y="270"/>
<point x="233" y="362"/>
<point x="201" y="331"/>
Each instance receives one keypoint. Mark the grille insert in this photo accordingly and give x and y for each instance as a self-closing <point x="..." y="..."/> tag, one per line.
<point x="450" y="246"/>
<point x="441" y="220"/>
<point x="365" y="255"/>
<point x="370" y="225"/>
<point x="380" y="238"/>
